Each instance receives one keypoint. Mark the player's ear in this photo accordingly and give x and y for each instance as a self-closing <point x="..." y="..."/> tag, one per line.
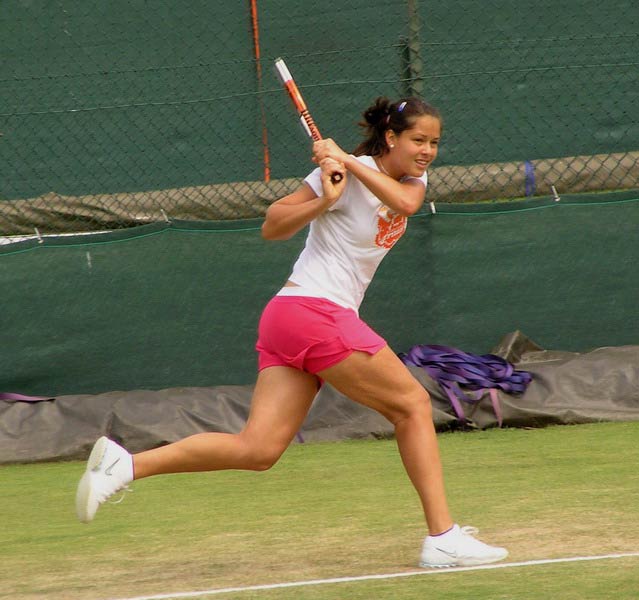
<point x="390" y="138"/>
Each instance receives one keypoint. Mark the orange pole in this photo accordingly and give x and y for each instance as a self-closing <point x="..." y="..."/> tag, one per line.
<point x="258" y="69"/>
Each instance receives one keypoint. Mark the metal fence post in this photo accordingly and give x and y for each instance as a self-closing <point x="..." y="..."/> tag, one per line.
<point x="414" y="58"/>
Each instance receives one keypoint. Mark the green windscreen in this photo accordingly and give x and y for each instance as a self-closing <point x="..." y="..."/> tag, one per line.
<point x="178" y="304"/>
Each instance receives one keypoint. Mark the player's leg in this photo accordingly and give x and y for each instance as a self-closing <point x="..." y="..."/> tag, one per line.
<point x="382" y="382"/>
<point x="281" y="400"/>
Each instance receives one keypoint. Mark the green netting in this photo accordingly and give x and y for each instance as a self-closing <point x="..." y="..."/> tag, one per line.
<point x="115" y="113"/>
<point x="170" y="305"/>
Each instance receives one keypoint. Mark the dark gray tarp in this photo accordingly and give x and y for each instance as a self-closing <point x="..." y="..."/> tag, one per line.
<point x="567" y="388"/>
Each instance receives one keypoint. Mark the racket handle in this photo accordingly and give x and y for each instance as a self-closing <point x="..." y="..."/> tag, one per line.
<point x="309" y="125"/>
<point x="314" y="133"/>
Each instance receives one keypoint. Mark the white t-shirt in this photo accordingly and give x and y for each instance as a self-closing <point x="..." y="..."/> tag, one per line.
<point x="346" y="243"/>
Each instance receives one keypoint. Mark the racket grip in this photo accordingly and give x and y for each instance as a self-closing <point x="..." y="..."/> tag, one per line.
<point x="336" y="177"/>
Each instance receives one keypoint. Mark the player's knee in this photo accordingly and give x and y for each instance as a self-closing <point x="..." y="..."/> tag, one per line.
<point x="261" y="457"/>
<point x="265" y="461"/>
<point x="415" y="405"/>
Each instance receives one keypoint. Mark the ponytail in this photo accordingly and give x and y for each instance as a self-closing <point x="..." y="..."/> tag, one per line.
<point x="383" y="115"/>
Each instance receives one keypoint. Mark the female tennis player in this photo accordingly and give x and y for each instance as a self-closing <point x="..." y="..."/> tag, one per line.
<point x="311" y="332"/>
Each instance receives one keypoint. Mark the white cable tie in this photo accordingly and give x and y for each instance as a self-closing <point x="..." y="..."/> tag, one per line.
<point x="432" y="207"/>
<point x="165" y="217"/>
<point x="555" y="195"/>
<point x="40" y="240"/>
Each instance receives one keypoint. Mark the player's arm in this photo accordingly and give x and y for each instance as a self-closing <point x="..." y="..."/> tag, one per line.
<point x="405" y="198"/>
<point x="288" y="215"/>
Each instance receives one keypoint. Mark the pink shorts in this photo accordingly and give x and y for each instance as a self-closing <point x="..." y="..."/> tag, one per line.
<point x="311" y="334"/>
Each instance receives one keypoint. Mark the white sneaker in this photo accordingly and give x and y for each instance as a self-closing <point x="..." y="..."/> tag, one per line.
<point x="458" y="548"/>
<point x="109" y="469"/>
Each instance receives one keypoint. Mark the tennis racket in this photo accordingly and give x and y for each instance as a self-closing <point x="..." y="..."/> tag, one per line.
<point x="285" y="77"/>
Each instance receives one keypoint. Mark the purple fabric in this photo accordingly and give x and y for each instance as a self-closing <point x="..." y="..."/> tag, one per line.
<point x="455" y="369"/>
<point x="9" y="397"/>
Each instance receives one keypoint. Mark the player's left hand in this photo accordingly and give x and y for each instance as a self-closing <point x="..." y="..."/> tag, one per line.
<point x="327" y="148"/>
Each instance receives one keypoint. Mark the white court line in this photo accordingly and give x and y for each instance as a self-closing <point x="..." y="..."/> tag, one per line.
<point x="423" y="572"/>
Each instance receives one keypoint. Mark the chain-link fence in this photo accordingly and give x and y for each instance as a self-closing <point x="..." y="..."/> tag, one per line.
<point x="127" y="112"/>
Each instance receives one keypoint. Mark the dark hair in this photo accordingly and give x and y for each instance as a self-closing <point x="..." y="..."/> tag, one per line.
<point x="384" y="115"/>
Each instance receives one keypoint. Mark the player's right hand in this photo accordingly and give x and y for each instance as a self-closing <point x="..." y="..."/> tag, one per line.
<point x="332" y="190"/>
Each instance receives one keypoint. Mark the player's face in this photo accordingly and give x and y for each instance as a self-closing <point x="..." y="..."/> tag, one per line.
<point x="416" y="148"/>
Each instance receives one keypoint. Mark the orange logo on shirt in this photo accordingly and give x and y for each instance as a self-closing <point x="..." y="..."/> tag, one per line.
<point x="390" y="227"/>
